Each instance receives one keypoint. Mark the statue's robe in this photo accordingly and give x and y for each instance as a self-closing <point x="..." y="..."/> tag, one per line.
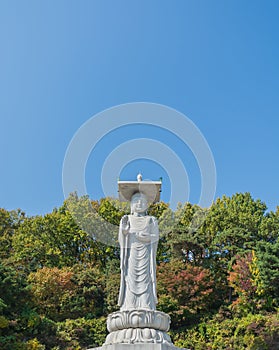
<point x="138" y="243"/>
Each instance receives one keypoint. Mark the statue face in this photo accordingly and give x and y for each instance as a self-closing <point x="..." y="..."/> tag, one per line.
<point x="139" y="203"/>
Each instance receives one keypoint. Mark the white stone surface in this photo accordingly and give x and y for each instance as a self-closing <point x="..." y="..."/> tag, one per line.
<point x="151" y="189"/>
<point x="138" y="319"/>
<point x="138" y="335"/>
<point x="143" y="346"/>
<point x="138" y="239"/>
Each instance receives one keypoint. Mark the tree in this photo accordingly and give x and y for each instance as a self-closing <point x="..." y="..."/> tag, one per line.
<point x="59" y="273"/>
<point x="13" y="291"/>
<point x="180" y="235"/>
<point x="15" y="305"/>
<point x="266" y="270"/>
<point x="241" y="279"/>
<point x="68" y="292"/>
<point x="52" y="289"/>
<point x="56" y="240"/>
<point x="231" y="227"/>
<point x="184" y="290"/>
<point x="9" y="222"/>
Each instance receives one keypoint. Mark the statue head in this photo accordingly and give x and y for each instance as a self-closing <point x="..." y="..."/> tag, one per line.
<point x="139" y="203"/>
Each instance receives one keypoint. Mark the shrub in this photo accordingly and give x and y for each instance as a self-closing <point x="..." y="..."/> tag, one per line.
<point x="82" y="333"/>
<point x="253" y="332"/>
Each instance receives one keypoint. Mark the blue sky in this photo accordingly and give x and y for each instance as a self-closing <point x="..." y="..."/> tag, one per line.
<point x="64" y="61"/>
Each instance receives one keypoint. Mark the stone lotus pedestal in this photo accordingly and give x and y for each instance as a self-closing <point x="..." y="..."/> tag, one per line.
<point x="138" y="330"/>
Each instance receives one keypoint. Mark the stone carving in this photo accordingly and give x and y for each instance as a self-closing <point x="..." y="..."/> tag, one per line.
<point x="138" y="319"/>
<point x="138" y="238"/>
<point x="138" y="335"/>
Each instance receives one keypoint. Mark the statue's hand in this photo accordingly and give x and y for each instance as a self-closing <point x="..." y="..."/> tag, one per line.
<point x="125" y="219"/>
<point x="125" y="223"/>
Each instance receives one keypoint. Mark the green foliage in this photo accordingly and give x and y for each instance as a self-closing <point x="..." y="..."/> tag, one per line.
<point x="56" y="240"/>
<point x="185" y="291"/>
<point x="233" y="225"/>
<point x="52" y="289"/>
<point x="242" y="278"/>
<point x="99" y="224"/>
<point x="82" y="333"/>
<point x="88" y="298"/>
<point x="112" y="210"/>
<point x="9" y="222"/>
<point x="253" y="332"/>
<point x="157" y="209"/>
<point x="52" y="240"/>
<point x="112" y="286"/>
<point x="67" y="292"/>
<point x="185" y="238"/>
<point x="34" y="344"/>
<point x="13" y="291"/>
<point x="266" y="262"/>
<point x="217" y="274"/>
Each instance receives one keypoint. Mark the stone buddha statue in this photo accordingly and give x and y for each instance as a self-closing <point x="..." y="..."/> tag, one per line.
<point x="138" y="325"/>
<point x="138" y="238"/>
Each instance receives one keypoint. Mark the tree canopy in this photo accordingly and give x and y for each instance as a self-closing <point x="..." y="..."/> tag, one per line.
<point x="217" y="274"/>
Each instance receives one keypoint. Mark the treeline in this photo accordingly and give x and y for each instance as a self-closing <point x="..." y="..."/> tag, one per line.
<point x="217" y="274"/>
